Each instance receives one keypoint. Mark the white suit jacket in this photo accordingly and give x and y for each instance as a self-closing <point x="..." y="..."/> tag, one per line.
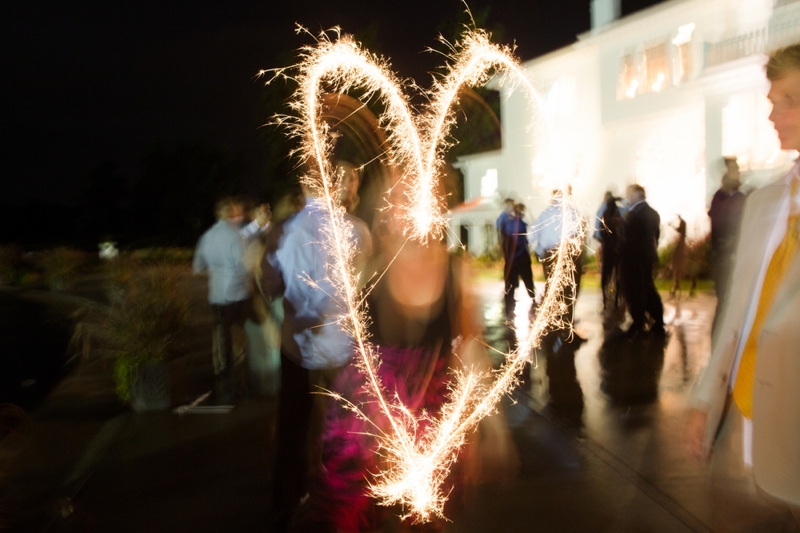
<point x="776" y="393"/>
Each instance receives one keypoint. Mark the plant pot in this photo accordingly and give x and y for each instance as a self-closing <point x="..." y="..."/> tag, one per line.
<point x="151" y="392"/>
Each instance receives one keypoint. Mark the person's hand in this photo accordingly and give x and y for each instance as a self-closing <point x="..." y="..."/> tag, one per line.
<point x="695" y="435"/>
<point x="263" y="215"/>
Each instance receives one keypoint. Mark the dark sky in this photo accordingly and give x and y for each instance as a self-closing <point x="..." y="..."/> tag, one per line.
<point x="88" y="81"/>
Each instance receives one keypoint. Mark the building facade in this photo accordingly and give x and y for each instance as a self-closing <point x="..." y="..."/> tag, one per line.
<point x="657" y="98"/>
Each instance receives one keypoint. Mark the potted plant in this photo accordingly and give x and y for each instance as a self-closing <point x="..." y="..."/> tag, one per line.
<point x="139" y="330"/>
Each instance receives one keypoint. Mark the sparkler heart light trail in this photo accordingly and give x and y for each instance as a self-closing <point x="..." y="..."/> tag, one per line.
<point x="417" y="461"/>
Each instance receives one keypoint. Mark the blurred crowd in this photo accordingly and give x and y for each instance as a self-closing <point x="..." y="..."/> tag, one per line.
<point x="278" y="267"/>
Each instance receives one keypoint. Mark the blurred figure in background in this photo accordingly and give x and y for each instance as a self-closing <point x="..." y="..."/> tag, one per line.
<point x="747" y="403"/>
<point x="548" y="232"/>
<point x="678" y="255"/>
<point x="608" y="231"/>
<point x="314" y="347"/>
<point x="264" y="338"/>
<point x="220" y="251"/>
<point x="726" y="210"/>
<point x="638" y="258"/>
<point x="508" y="211"/>
<point x="518" y="260"/>
<point x="505" y="240"/>
<point x="262" y="325"/>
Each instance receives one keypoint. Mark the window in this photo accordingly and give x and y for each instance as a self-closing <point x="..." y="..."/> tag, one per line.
<point x="656" y="65"/>
<point x="489" y="182"/>
<point x="656" y="68"/>
<point x="682" y="54"/>
<point x="628" y="83"/>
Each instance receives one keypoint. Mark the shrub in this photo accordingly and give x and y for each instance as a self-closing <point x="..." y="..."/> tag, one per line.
<point x="164" y="255"/>
<point x="10" y="264"/>
<point x="60" y="266"/>
<point x="698" y="259"/>
<point x="139" y="327"/>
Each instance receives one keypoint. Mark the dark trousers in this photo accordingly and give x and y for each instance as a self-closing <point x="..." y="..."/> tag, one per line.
<point x="608" y="273"/>
<point x="548" y="265"/>
<point x="227" y="317"/>
<point x="516" y="269"/>
<point x="292" y="451"/>
<point x="642" y="296"/>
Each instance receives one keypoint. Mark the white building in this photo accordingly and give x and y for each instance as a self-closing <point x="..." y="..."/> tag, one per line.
<point x="657" y="98"/>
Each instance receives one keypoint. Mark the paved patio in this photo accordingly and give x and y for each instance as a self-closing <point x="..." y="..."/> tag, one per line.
<point x="597" y="425"/>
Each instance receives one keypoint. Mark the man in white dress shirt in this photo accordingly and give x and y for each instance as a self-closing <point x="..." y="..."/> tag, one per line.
<point x="220" y="251"/>
<point x="547" y="232"/>
<point x="313" y="344"/>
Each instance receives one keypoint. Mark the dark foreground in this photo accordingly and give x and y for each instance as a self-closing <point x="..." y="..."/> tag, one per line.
<point x="597" y="424"/>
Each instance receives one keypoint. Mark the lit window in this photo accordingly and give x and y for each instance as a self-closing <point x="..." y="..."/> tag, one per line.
<point x="628" y="82"/>
<point x="489" y="182"/>
<point x="656" y="68"/>
<point x="682" y="56"/>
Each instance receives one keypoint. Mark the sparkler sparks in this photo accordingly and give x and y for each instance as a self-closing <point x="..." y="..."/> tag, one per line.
<point x="418" y="456"/>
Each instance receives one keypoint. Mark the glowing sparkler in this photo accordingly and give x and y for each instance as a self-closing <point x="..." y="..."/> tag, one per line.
<point x="417" y="461"/>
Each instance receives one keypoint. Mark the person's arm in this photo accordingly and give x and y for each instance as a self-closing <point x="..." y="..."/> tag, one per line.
<point x="271" y="281"/>
<point x="657" y="227"/>
<point x="199" y="263"/>
<point x="260" y="223"/>
<point x="251" y="230"/>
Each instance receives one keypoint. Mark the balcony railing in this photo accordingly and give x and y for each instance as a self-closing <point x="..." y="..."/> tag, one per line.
<point x="784" y="32"/>
<point x="737" y="47"/>
<point x="781" y="32"/>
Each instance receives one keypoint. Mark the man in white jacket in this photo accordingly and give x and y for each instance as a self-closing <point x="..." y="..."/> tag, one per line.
<point x="747" y="403"/>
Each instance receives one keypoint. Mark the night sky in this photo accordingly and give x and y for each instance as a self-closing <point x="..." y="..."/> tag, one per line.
<point x="89" y="81"/>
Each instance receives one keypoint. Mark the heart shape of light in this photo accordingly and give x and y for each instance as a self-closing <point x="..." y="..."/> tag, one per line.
<point x="417" y="464"/>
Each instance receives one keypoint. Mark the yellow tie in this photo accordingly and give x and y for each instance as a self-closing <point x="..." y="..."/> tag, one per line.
<point x="776" y="272"/>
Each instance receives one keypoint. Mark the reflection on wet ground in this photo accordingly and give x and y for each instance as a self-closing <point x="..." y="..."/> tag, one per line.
<point x="603" y="368"/>
<point x="609" y="409"/>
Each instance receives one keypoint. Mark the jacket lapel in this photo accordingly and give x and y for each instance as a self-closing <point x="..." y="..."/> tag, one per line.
<point x="771" y="208"/>
<point x="753" y="240"/>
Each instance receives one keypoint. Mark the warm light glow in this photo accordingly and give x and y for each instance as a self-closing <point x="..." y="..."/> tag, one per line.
<point x="631" y="92"/>
<point x="684" y="34"/>
<point x="748" y="134"/>
<point x="489" y="183"/>
<point x="669" y="157"/>
<point x="417" y="461"/>
<point x="658" y="83"/>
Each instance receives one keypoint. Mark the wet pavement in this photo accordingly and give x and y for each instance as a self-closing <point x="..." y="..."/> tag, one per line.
<point x="597" y="425"/>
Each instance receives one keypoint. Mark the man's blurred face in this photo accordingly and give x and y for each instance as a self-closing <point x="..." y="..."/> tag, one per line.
<point x="236" y="215"/>
<point x="630" y="195"/>
<point x="348" y="193"/>
<point x="785" y="97"/>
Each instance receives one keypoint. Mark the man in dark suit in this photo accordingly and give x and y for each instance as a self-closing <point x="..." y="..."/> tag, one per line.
<point x="638" y="257"/>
